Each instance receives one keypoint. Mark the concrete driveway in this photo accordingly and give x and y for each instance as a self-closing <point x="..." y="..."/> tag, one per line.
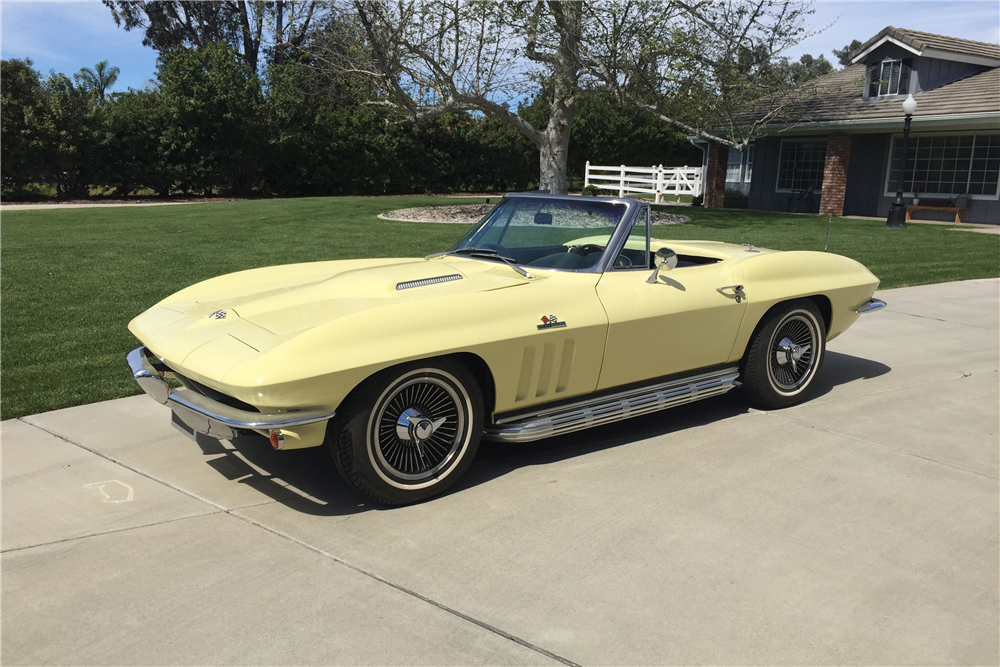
<point x="858" y="528"/>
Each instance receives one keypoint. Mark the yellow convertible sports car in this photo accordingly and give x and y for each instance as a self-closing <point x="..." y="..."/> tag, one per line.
<point x="553" y="314"/>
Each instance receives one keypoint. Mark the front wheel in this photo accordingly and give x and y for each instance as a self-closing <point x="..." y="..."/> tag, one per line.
<point x="784" y="355"/>
<point x="408" y="433"/>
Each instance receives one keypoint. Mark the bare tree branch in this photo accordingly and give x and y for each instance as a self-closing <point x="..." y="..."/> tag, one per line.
<point x="700" y="65"/>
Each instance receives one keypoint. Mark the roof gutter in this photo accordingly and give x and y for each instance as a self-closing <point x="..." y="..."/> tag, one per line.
<point x="987" y="119"/>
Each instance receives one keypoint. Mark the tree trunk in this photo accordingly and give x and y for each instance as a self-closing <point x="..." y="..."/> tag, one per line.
<point x="250" y="48"/>
<point x="279" y="32"/>
<point x="553" y="150"/>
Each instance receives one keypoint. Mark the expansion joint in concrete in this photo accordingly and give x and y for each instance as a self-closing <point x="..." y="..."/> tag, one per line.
<point x="423" y="598"/>
<point x="938" y="319"/>
<point x="125" y="465"/>
<point x="232" y="512"/>
<point x="106" y="532"/>
<point x="884" y="446"/>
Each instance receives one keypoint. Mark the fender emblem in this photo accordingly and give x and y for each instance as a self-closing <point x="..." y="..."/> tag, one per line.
<point x="551" y="322"/>
<point x="219" y="315"/>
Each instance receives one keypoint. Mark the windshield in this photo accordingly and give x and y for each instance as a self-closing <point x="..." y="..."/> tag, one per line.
<point x="545" y="233"/>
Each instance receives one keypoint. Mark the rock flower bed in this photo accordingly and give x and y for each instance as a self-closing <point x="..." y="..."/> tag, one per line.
<point x="469" y="213"/>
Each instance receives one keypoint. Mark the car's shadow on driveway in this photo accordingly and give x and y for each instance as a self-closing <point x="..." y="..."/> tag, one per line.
<point x="496" y="459"/>
<point x="839" y="369"/>
<point x="305" y="479"/>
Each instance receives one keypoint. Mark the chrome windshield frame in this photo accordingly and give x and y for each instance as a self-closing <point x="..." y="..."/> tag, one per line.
<point x="618" y="237"/>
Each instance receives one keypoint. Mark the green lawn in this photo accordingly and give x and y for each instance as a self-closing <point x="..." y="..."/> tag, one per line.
<point x="71" y="279"/>
<point x="917" y="255"/>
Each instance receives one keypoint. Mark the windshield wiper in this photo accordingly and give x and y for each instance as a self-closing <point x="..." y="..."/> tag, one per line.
<point x="492" y="254"/>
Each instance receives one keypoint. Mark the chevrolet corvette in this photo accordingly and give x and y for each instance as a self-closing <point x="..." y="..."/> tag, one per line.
<point x="551" y="315"/>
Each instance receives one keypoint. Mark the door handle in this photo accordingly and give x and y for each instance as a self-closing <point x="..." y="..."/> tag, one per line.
<point x="737" y="291"/>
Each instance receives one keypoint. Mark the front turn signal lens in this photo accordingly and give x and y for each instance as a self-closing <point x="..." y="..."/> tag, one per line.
<point x="277" y="440"/>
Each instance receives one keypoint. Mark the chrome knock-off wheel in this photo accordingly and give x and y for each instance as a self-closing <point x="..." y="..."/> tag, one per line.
<point x="408" y="433"/>
<point x="419" y="428"/>
<point x="784" y="355"/>
<point x="792" y="355"/>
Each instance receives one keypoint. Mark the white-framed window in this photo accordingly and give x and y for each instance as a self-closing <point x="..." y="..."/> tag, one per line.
<point x="947" y="165"/>
<point x="739" y="168"/>
<point x="734" y="168"/>
<point x="888" y="78"/>
<point x="800" y="165"/>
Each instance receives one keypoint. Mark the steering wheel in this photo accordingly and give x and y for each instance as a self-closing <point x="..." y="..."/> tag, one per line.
<point x="587" y="248"/>
<point x="623" y="262"/>
<point x="497" y="248"/>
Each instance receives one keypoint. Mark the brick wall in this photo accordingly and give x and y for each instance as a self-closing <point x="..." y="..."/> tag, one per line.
<point x="715" y="175"/>
<point x="838" y="154"/>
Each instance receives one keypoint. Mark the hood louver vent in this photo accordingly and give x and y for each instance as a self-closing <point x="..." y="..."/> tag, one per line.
<point x="428" y="281"/>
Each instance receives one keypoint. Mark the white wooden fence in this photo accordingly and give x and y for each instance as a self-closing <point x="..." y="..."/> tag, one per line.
<point x="645" y="180"/>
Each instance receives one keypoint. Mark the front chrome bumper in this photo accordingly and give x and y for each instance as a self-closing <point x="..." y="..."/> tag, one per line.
<point x="870" y="306"/>
<point x="206" y="415"/>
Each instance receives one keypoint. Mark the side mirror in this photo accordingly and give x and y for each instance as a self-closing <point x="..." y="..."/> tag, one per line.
<point x="665" y="259"/>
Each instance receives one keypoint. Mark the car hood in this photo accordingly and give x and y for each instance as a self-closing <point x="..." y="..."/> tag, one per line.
<point x="228" y="319"/>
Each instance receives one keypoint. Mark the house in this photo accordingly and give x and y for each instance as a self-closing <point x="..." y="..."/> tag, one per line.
<point x="835" y="152"/>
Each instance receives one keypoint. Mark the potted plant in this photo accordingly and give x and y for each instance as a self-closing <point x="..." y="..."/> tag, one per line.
<point x="916" y="194"/>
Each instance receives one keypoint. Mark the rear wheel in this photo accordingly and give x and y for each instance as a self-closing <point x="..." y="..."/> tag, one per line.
<point x="784" y="355"/>
<point x="408" y="433"/>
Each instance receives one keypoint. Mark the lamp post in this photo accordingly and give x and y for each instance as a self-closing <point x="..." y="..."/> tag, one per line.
<point x="897" y="210"/>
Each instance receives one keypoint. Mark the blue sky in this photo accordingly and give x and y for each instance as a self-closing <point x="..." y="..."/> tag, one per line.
<point x="840" y="22"/>
<point x="66" y="36"/>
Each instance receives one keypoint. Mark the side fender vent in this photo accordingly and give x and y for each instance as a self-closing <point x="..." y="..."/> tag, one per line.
<point x="423" y="282"/>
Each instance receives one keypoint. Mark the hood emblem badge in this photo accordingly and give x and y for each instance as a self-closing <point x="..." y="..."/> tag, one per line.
<point x="550" y="322"/>
<point x="219" y="315"/>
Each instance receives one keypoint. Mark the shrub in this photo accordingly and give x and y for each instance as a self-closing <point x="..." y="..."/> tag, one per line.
<point x="735" y="199"/>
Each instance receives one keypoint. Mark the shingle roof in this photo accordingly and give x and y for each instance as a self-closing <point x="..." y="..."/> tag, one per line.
<point x="926" y="40"/>
<point x="837" y="97"/>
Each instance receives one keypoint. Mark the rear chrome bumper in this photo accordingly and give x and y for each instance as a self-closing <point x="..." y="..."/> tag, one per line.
<point x="869" y="306"/>
<point x="206" y="415"/>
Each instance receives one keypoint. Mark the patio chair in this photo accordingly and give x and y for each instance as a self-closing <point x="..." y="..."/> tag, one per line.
<point x="799" y="196"/>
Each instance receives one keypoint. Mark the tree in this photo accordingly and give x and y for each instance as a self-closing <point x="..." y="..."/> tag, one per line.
<point x="67" y="136"/>
<point x="423" y="59"/>
<point x="214" y="133"/>
<point x="711" y="69"/>
<point x="129" y="136"/>
<point x="97" y="80"/>
<point x="696" y="66"/>
<point x="606" y="132"/>
<point x="22" y="110"/>
<point x="805" y="69"/>
<point x="245" y="26"/>
<point x="292" y="22"/>
<point x="844" y="54"/>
